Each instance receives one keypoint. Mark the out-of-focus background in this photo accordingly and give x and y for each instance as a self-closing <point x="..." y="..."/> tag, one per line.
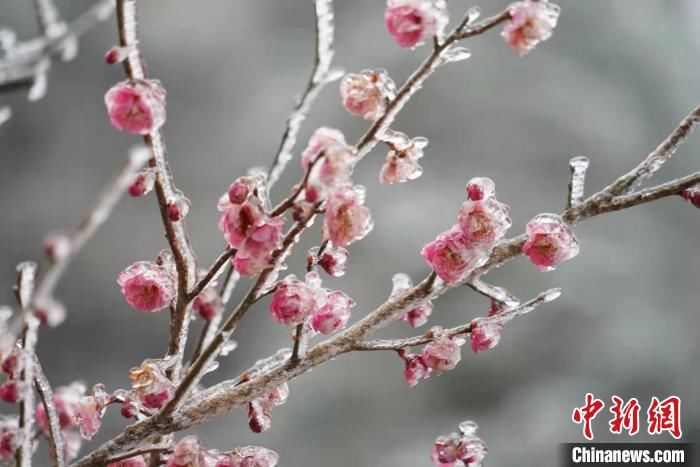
<point x="614" y="79"/>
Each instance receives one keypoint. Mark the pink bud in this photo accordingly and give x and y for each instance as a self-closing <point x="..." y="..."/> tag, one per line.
<point x="57" y="247"/>
<point x="417" y="316"/>
<point x="321" y="139"/>
<point x="451" y="256"/>
<point x="147" y="286"/>
<point x="366" y="94"/>
<point x="129" y="408"/>
<point x="479" y="188"/>
<point x="532" y="21"/>
<point x="446" y="450"/>
<point x="347" y="220"/>
<point x="143" y="183"/>
<point x="294" y="300"/>
<point x="178" y="208"/>
<point x="415" y="369"/>
<point x="485" y="335"/>
<point x="550" y="240"/>
<point x="692" y="195"/>
<point x="334" y="315"/>
<point x="116" y="55"/>
<point x="88" y="414"/>
<point x="136" y="106"/>
<point x="441" y="354"/>
<point x="239" y="190"/>
<point x="13" y="362"/>
<point x="10" y="437"/>
<point x="259" y="419"/>
<point x="208" y="304"/>
<point x="11" y="391"/>
<point x="332" y="260"/>
<point x="411" y="22"/>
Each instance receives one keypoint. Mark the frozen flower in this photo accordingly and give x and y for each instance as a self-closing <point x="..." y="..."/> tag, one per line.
<point x="347" y="220"/>
<point x="136" y="106"/>
<point x="50" y="311"/>
<point x="147" y="286"/>
<point x="366" y="94"/>
<point x="401" y="163"/>
<point x="259" y="419"/>
<point x="240" y="189"/>
<point x="418" y="315"/>
<point x="248" y="456"/>
<point x="11" y="391"/>
<point x="479" y="188"/>
<point x="415" y="369"/>
<point x="151" y="385"/>
<point x="335" y="167"/>
<point x="445" y="451"/>
<point x="463" y="448"/>
<point x="334" y="315"/>
<point x="332" y="260"/>
<point x="531" y="21"/>
<point x="411" y="22"/>
<point x="88" y="414"/>
<point x="9" y="438"/>
<point x="64" y="398"/>
<point x="484" y="222"/>
<point x="321" y="139"/>
<point x="188" y="452"/>
<point x="294" y="300"/>
<point x="208" y="304"/>
<point x="116" y="55"/>
<point x="177" y="208"/>
<point x="275" y="397"/>
<point x="143" y="183"/>
<point x="485" y="335"/>
<point x="451" y="256"/>
<point x="549" y="241"/>
<point x="130" y="407"/>
<point x="137" y="461"/>
<point x="692" y="195"/>
<point x="57" y="247"/>
<point x="441" y="354"/>
<point x="12" y="361"/>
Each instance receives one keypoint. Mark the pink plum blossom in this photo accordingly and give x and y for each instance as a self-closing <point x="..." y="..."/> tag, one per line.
<point x="401" y="164"/>
<point x="11" y="391"/>
<point x="418" y="315"/>
<point x="415" y="369"/>
<point x="208" y="304"/>
<point x="321" y="139"/>
<point x="347" y="220"/>
<point x="88" y="414"/>
<point x="151" y="385"/>
<point x="411" y="22"/>
<point x="692" y="195"/>
<point x="550" y="240"/>
<point x="10" y="437"/>
<point x="479" y="188"/>
<point x="485" y="335"/>
<point x="143" y="183"/>
<point x="451" y="256"/>
<point x="188" y="452"/>
<point x="484" y="222"/>
<point x="178" y="207"/>
<point x="248" y="456"/>
<point x="441" y="354"/>
<point x="136" y="106"/>
<point x="531" y="21"/>
<point x="463" y="448"/>
<point x="259" y="419"/>
<point x="334" y="314"/>
<point x="294" y="300"/>
<point x="147" y="286"/>
<point x="366" y="94"/>
<point x="333" y="260"/>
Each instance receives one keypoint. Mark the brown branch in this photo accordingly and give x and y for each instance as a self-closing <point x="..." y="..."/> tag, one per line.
<point x="55" y="438"/>
<point x="212" y="273"/>
<point x="140" y="452"/>
<point x="175" y="232"/>
<point x="289" y="201"/>
<point x="320" y="76"/>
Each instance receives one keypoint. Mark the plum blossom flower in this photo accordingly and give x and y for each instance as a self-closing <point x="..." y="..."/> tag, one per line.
<point x="136" y="106"/>
<point x="463" y="448"/>
<point x="485" y="335"/>
<point x="208" y="304"/>
<point x="188" y="452"/>
<point x="411" y="22"/>
<point x="147" y="286"/>
<point x="484" y="222"/>
<point x="550" y="240"/>
<point x="88" y="414"/>
<point x="451" y="256"/>
<point x="10" y="437"/>
<point x="531" y="21"/>
<point x="347" y="220"/>
<point x="12" y="390"/>
<point x="137" y="461"/>
<point x="143" y="183"/>
<point x="415" y="368"/>
<point x="333" y="260"/>
<point x="366" y="94"/>
<point x="418" y="315"/>
<point x="151" y="385"/>
<point x="178" y="207"/>
<point x="334" y="314"/>
<point x="401" y="163"/>
<point x="479" y="188"/>
<point x="442" y="354"/>
<point x="248" y="456"/>
<point x="294" y="300"/>
<point x="320" y="140"/>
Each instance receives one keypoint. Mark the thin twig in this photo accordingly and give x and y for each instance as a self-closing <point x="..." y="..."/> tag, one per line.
<point x="289" y="201"/>
<point x="501" y="296"/>
<point x="140" y="452"/>
<point x="212" y="273"/>
<point x="320" y="76"/>
<point x="54" y="435"/>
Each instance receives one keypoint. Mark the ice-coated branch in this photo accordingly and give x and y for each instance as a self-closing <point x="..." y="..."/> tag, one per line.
<point x="501" y="296"/>
<point x="320" y="76"/>
<point x="47" y="15"/>
<point x="26" y="274"/>
<point x="156" y="449"/>
<point x="212" y="273"/>
<point x="658" y="157"/>
<point x="175" y="231"/>
<point x="577" y="180"/>
<point x="98" y="215"/>
<point x="54" y="435"/>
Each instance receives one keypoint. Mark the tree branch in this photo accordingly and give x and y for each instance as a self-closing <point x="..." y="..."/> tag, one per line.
<point x="55" y="438"/>
<point x="577" y="180"/>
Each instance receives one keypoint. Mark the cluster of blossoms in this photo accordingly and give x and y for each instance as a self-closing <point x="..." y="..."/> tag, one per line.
<point x="482" y="221"/>
<point x="294" y="301"/>
<point x="441" y="354"/>
<point x="460" y="449"/>
<point x="190" y="452"/>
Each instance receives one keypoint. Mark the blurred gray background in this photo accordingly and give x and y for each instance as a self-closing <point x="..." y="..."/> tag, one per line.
<point x="615" y="78"/>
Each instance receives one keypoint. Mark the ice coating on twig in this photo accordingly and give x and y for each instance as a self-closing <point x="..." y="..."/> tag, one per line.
<point x="577" y="180"/>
